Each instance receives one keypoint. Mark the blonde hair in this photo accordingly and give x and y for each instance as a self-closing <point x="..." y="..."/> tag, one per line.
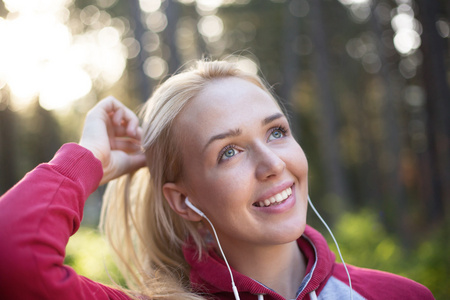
<point x="145" y="233"/>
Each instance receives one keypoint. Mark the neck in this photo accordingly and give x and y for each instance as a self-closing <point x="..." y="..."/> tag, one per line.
<point x="280" y="267"/>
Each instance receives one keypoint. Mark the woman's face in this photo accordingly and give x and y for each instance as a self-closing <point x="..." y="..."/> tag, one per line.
<point x="242" y="166"/>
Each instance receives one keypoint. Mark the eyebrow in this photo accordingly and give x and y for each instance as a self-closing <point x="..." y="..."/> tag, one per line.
<point x="221" y="136"/>
<point x="238" y="131"/>
<point x="272" y="118"/>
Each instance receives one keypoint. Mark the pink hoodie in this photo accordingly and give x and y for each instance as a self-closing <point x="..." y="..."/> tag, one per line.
<point x="324" y="278"/>
<point x="40" y="213"/>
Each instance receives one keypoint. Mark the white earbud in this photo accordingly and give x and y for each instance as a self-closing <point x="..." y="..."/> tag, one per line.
<point x="191" y="206"/>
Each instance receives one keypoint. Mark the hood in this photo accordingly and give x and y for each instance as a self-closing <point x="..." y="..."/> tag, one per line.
<point x="210" y="274"/>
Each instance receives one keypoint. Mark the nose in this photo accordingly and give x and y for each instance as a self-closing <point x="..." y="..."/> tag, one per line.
<point x="268" y="163"/>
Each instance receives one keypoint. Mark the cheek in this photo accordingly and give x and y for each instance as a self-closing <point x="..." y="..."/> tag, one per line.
<point x="296" y="161"/>
<point x="230" y="184"/>
<point x="302" y="162"/>
<point x="227" y="190"/>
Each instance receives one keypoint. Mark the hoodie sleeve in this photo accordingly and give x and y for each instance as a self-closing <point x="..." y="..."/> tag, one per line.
<point x="37" y="217"/>
<point x="374" y="284"/>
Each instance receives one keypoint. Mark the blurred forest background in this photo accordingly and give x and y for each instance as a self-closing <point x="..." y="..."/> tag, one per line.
<point x="365" y="82"/>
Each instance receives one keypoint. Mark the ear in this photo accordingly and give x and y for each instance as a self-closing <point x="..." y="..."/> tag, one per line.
<point x="175" y="196"/>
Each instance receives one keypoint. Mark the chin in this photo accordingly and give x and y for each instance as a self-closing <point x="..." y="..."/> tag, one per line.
<point x="289" y="233"/>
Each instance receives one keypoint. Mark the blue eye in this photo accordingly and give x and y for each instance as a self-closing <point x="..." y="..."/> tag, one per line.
<point x="277" y="133"/>
<point x="228" y="152"/>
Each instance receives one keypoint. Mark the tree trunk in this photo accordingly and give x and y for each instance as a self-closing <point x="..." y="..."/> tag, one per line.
<point x="143" y="83"/>
<point x="169" y="35"/>
<point x="290" y="65"/>
<point x="438" y="109"/>
<point x="394" y="202"/>
<point x="332" y="162"/>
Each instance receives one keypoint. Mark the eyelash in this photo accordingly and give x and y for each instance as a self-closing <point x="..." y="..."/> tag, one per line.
<point x="224" y="150"/>
<point x="280" y="128"/>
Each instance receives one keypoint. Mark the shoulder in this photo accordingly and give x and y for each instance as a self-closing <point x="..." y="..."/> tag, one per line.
<point x="374" y="284"/>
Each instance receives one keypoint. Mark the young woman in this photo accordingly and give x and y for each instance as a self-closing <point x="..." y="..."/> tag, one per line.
<point x="219" y="211"/>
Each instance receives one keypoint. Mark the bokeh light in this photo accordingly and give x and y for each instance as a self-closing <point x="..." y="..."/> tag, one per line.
<point x="443" y="28"/>
<point x="208" y="5"/>
<point x="150" y="41"/>
<point x="248" y="65"/>
<point x="407" y="30"/>
<point x="245" y="63"/>
<point x="27" y="6"/>
<point x="211" y="27"/>
<point x="155" y="67"/>
<point x="133" y="47"/>
<point x="41" y="58"/>
<point x="350" y="2"/>
<point x="150" y="6"/>
<point x="156" y="21"/>
<point x="406" y="40"/>
<point x="56" y="91"/>
<point x="299" y="8"/>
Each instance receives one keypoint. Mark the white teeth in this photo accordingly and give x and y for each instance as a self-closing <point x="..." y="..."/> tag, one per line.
<point x="277" y="198"/>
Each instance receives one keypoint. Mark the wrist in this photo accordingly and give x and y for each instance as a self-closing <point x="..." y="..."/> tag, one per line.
<point x="95" y="152"/>
<point x="78" y="164"/>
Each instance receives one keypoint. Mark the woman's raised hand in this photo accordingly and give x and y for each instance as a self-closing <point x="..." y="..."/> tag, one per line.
<point x="112" y="133"/>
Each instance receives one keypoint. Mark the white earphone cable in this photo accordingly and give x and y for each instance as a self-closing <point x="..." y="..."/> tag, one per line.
<point x="233" y="286"/>
<point x="337" y="246"/>
<point x="235" y="291"/>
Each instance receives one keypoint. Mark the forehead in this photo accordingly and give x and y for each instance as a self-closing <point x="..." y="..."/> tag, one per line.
<point x="225" y="104"/>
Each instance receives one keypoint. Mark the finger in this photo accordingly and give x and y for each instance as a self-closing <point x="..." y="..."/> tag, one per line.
<point x="128" y="129"/>
<point x="117" y="117"/>
<point x="137" y="161"/>
<point x="131" y="131"/>
<point x="131" y="122"/>
<point x="109" y="105"/>
<point x="139" y="133"/>
<point x="132" y="127"/>
<point x="125" y="121"/>
<point x="120" y="131"/>
<point x="127" y="145"/>
<point x="114" y="109"/>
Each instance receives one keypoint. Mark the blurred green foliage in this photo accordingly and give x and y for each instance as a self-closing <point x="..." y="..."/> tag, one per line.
<point x="363" y="240"/>
<point x="89" y="254"/>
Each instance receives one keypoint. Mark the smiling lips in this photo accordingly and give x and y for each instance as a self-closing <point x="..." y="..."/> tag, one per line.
<point x="277" y="199"/>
